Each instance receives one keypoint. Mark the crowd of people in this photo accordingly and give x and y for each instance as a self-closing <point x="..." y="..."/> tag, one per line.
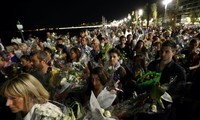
<point x="108" y="61"/>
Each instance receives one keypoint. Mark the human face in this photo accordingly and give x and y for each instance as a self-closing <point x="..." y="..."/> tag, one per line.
<point x="114" y="59"/>
<point x="129" y="38"/>
<point x="36" y="62"/>
<point x="16" y="104"/>
<point x="95" y="80"/>
<point x="73" y="55"/>
<point x="123" y="40"/>
<point x="167" y="53"/>
<point x="140" y="44"/>
<point x="48" y="55"/>
<point x="24" y="62"/>
<point x="83" y="41"/>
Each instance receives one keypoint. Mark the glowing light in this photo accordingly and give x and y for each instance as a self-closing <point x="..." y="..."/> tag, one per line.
<point x="140" y="12"/>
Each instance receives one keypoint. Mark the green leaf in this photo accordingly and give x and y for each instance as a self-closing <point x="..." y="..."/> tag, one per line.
<point x="156" y="93"/>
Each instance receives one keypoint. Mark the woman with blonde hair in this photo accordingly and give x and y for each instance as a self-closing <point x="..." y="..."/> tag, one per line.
<point x="27" y="97"/>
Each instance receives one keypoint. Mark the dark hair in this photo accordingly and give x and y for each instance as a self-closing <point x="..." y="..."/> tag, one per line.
<point x="128" y="35"/>
<point x="59" y="39"/>
<point x="26" y="57"/>
<point x="77" y="51"/>
<point x="102" y="74"/>
<point x="121" y="37"/>
<point x="48" y="50"/>
<point x="3" y="55"/>
<point x="60" y="46"/>
<point x="193" y="43"/>
<point x="114" y="50"/>
<point x="42" y="55"/>
<point x="169" y="43"/>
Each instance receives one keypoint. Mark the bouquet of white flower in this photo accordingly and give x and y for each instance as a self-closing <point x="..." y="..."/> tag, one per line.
<point x="96" y="111"/>
<point x="70" y="77"/>
<point x="49" y="111"/>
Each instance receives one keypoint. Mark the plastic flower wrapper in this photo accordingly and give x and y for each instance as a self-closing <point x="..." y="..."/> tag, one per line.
<point x="148" y="79"/>
<point x="96" y="111"/>
<point x="158" y="93"/>
<point x="106" y="98"/>
<point x="70" y="77"/>
<point x="49" y="111"/>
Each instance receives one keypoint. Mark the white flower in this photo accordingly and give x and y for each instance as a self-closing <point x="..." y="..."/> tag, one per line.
<point x="48" y="111"/>
<point x="62" y="82"/>
<point x="107" y="113"/>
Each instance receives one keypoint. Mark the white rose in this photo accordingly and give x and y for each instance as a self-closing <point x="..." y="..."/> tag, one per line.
<point x="62" y="82"/>
<point x="107" y="113"/>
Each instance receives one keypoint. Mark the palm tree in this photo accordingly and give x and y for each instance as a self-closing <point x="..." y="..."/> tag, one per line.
<point x="154" y="12"/>
<point x="174" y="14"/>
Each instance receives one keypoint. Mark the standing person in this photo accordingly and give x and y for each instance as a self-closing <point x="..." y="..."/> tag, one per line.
<point x="168" y="67"/>
<point x="27" y="97"/>
<point x="122" y="46"/>
<point x="117" y="72"/>
<point x="170" y="70"/>
<point x="113" y="39"/>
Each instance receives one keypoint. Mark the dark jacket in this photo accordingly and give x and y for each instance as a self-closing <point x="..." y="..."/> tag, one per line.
<point x="171" y="70"/>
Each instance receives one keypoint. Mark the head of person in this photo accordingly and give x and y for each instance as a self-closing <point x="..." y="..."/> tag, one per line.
<point x="49" y="52"/>
<point x="15" y="46"/>
<point x="3" y="59"/>
<point x="22" y="92"/>
<point x="75" y="54"/>
<point x="59" y="40"/>
<point x="139" y="44"/>
<point x="59" y="48"/>
<point x="84" y="41"/>
<point x="99" y="77"/>
<point x="114" y="56"/>
<point x="129" y="37"/>
<point x="95" y="43"/>
<point x="193" y="44"/>
<point x="122" y="39"/>
<point x="25" y="61"/>
<point x="39" y="59"/>
<point x="112" y="34"/>
<point x="23" y="47"/>
<point x="168" y="50"/>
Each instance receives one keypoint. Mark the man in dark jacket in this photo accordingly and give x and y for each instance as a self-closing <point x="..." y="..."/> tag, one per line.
<point x="172" y="74"/>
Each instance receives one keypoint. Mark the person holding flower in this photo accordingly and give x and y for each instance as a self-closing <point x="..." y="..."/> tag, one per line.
<point x="169" y="68"/>
<point x="27" y="97"/>
<point x="102" y="86"/>
<point x="100" y="95"/>
<point x="172" y="74"/>
<point x="117" y="72"/>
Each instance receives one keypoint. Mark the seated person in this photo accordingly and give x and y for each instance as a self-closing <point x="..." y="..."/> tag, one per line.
<point x="101" y="84"/>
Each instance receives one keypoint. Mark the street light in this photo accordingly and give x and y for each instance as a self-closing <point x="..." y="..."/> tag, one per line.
<point x="166" y="2"/>
<point x="20" y="28"/>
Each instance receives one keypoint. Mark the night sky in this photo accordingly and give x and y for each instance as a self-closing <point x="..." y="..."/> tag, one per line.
<point x="62" y="13"/>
